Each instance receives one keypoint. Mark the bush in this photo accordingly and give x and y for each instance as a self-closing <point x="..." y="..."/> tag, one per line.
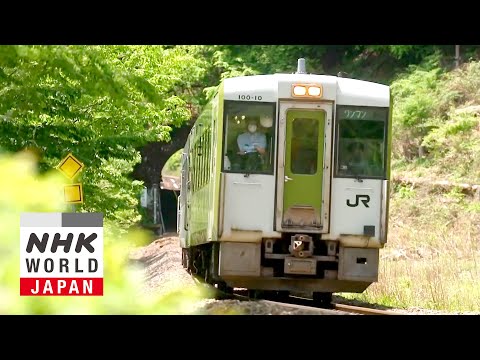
<point x="23" y="190"/>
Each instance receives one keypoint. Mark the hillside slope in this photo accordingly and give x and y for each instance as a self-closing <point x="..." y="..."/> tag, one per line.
<point x="432" y="258"/>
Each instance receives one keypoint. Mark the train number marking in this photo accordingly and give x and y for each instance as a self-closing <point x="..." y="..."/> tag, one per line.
<point x="250" y="97"/>
<point x="365" y="200"/>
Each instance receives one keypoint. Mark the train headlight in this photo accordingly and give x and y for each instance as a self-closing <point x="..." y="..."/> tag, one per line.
<point x="314" y="91"/>
<point x="307" y="90"/>
<point x="299" y="90"/>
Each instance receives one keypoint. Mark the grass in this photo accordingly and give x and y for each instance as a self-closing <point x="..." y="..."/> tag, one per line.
<point x="432" y="258"/>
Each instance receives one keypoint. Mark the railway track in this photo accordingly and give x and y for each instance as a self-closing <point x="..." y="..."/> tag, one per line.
<point x="336" y="308"/>
<point x="300" y="303"/>
<point x="363" y="310"/>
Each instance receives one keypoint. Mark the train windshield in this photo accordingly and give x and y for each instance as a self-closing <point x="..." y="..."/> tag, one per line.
<point x="361" y="141"/>
<point x="249" y="145"/>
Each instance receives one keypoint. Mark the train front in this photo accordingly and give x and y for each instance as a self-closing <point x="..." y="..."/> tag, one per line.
<point x="304" y="183"/>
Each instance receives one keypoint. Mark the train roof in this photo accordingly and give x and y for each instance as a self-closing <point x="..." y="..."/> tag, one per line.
<point x="343" y="91"/>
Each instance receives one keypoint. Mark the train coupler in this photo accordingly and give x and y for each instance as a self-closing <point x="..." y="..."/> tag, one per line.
<point x="301" y="246"/>
<point x="301" y="261"/>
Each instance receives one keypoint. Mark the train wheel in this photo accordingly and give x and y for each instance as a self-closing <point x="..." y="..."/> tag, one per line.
<point x="188" y="259"/>
<point x="184" y="258"/>
<point x="323" y="300"/>
<point x="257" y="294"/>
<point x="274" y="295"/>
<point x="283" y="295"/>
<point x="223" y="291"/>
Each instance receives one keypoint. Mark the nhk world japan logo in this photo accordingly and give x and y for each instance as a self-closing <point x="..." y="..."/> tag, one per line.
<point x="61" y="254"/>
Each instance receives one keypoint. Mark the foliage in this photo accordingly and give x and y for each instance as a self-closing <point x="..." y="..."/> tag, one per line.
<point x="24" y="190"/>
<point x="227" y="61"/>
<point x="404" y="191"/>
<point x="173" y="165"/>
<point x="461" y="87"/>
<point x="410" y="53"/>
<point x="455" y="146"/>
<point x="414" y="108"/>
<point x="99" y="102"/>
<point x="436" y="117"/>
<point x="378" y="63"/>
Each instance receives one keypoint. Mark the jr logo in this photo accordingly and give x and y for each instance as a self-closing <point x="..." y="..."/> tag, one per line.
<point x="365" y="200"/>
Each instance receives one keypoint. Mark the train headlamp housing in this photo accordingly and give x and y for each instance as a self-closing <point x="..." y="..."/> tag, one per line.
<point x="307" y="90"/>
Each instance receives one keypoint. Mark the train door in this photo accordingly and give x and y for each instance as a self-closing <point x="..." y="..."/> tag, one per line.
<point x="304" y="167"/>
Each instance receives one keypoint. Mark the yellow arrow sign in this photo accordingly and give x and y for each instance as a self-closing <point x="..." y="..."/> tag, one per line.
<point x="70" y="166"/>
<point x="73" y="194"/>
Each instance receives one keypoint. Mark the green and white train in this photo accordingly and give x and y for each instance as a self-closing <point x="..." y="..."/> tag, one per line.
<point x="308" y="213"/>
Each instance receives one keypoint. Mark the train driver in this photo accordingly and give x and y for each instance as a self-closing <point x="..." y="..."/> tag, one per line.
<point x="251" y="141"/>
<point x="251" y="148"/>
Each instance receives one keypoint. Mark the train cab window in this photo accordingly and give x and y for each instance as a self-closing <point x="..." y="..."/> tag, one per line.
<point x="249" y="137"/>
<point x="361" y="141"/>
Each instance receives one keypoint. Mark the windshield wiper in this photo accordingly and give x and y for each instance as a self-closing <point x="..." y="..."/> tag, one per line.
<point x="358" y="177"/>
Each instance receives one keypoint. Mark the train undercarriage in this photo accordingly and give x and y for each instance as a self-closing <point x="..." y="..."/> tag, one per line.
<point x="297" y="264"/>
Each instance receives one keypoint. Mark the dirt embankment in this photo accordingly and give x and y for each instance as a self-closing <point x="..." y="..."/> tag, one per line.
<point x="162" y="265"/>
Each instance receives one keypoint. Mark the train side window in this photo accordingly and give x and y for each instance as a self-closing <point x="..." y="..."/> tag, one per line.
<point x="248" y="144"/>
<point x="361" y="141"/>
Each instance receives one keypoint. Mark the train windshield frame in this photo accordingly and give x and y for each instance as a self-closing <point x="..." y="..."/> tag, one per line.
<point x="361" y="142"/>
<point x="244" y="151"/>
